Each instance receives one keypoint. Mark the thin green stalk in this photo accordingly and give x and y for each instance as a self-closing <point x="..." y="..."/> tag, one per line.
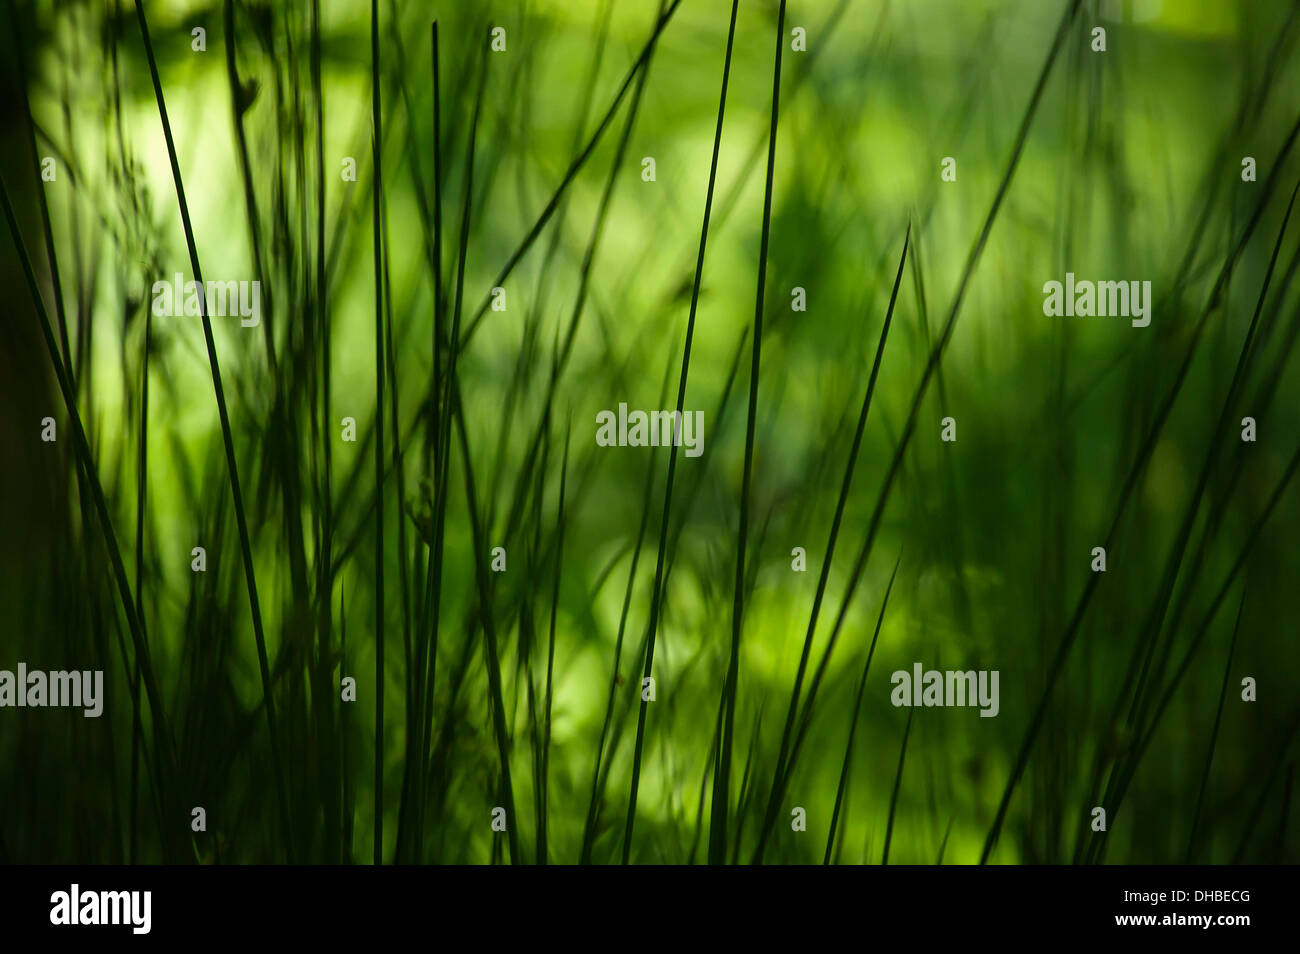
<point x="898" y="784"/>
<point x="1125" y="776"/>
<point x="377" y="216"/>
<point x="489" y="639"/>
<point x="163" y="739"/>
<point x="443" y="398"/>
<point x="250" y="195"/>
<point x="783" y="754"/>
<point x="853" y="723"/>
<point x="324" y="558"/>
<point x="1214" y="732"/>
<point x="403" y="556"/>
<point x="656" y="592"/>
<point x="1126" y="492"/>
<point x="20" y="58"/>
<point x="569" y="175"/>
<point x="427" y="665"/>
<point x="720" y="803"/>
<point x="550" y="655"/>
<point x="593" y="804"/>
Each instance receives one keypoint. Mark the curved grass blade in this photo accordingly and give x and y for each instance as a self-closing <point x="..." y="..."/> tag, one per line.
<point x="228" y="440"/>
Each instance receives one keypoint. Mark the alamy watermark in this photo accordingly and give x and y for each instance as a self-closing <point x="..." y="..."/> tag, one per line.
<point x="946" y="688"/>
<point x="131" y="908"/>
<point x="59" y="689"/>
<point x="1084" y="299"/>
<point x="223" y="299"/>
<point x="651" y="429"/>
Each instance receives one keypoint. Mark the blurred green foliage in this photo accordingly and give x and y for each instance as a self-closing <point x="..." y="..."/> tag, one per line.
<point x="1067" y="428"/>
